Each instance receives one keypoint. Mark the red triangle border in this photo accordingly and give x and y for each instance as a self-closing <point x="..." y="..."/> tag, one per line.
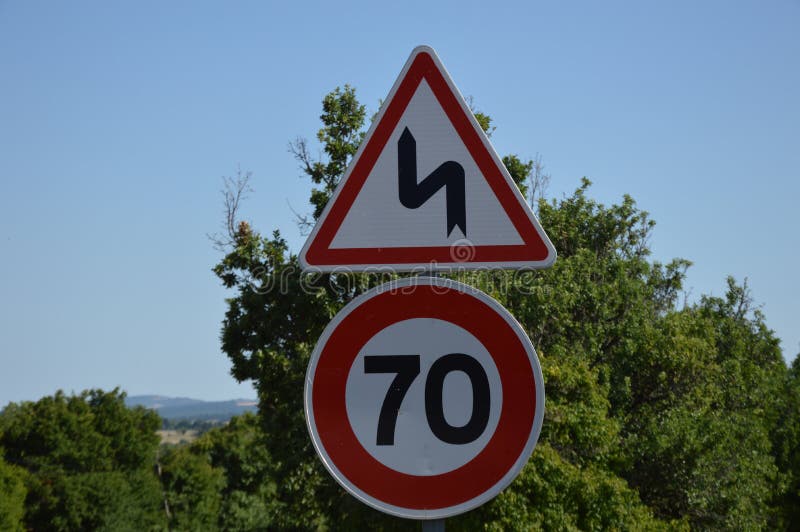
<point x="536" y="250"/>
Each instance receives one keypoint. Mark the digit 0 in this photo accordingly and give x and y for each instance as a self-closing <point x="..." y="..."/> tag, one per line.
<point x="434" y="400"/>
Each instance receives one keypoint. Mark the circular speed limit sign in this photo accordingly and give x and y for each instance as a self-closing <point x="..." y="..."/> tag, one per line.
<point x="424" y="398"/>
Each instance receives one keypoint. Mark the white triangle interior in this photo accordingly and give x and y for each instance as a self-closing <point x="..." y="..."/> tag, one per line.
<point x="378" y="219"/>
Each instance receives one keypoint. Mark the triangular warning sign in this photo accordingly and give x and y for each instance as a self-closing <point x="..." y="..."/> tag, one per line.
<point x="426" y="190"/>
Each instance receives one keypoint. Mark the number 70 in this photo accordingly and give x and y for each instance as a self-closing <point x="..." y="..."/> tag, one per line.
<point x="407" y="368"/>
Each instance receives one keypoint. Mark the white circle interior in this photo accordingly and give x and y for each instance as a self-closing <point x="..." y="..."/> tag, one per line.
<point x="416" y="450"/>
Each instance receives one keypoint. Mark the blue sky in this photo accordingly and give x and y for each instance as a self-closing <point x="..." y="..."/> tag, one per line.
<point x="118" y="120"/>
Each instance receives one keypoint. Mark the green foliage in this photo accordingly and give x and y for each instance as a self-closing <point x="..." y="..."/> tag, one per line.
<point x="708" y="431"/>
<point x="485" y="121"/>
<point x="101" y="500"/>
<point x="787" y="449"/>
<point x="200" y="425"/>
<point x="342" y="118"/>
<point x="12" y="496"/>
<point x="88" y="460"/>
<point x="519" y="171"/>
<point x="222" y="481"/>
<point x="238" y="449"/>
<point x="658" y="416"/>
<point x="193" y="490"/>
<point x="553" y="494"/>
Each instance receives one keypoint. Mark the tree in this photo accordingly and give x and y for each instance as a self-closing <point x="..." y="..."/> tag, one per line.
<point x="706" y="425"/>
<point x="648" y="404"/>
<point x="343" y="120"/>
<point x="787" y="449"/>
<point x="89" y="461"/>
<point x="193" y="490"/>
<point x="12" y="496"/>
<point x="223" y="480"/>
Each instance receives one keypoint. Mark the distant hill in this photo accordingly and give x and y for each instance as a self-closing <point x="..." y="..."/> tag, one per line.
<point x="183" y="408"/>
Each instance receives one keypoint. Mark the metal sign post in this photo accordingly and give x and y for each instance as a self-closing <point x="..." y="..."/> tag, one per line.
<point x="434" y="525"/>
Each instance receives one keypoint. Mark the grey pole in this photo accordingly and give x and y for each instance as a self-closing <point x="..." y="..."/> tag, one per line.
<point x="433" y="525"/>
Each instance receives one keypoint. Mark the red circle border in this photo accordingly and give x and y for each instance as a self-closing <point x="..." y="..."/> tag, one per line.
<point x="513" y="429"/>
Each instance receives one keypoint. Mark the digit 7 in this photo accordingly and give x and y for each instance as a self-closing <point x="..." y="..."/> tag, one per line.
<point x="407" y="368"/>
